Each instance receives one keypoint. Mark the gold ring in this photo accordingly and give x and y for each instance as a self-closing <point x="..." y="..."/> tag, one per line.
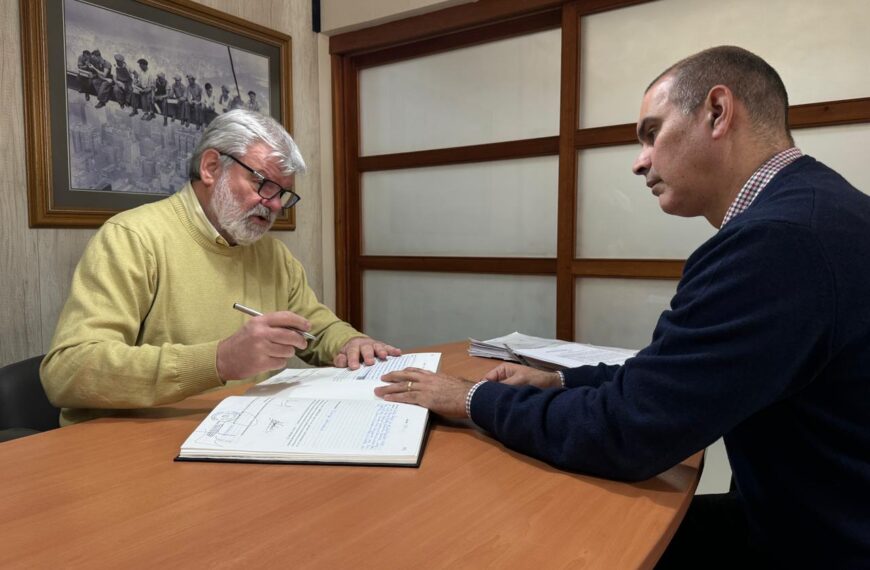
<point x="409" y="386"/>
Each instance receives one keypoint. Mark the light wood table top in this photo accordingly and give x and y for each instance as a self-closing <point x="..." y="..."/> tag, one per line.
<point x="107" y="493"/>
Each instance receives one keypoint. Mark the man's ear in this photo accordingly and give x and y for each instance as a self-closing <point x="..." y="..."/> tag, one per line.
<point x="210" y="167"/>
<point x="719" y="110"/>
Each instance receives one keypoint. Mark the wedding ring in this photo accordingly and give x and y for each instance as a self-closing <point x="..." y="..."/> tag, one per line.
<point x="409" y="386"/>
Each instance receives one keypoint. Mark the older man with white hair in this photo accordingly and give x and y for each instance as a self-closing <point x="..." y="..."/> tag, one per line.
<point x="149" y="318"/>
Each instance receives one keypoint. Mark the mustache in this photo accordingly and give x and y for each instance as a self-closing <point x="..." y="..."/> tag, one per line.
<point x="261" y="211"/>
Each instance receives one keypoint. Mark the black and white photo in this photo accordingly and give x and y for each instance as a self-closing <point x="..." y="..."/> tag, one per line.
<point x="123" y="96"/>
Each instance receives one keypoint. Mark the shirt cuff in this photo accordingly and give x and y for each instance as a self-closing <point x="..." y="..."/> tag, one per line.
<point x="469" y="396"/>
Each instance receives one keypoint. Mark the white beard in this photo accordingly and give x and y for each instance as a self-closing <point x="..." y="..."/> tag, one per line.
<point x="235" y="221"/>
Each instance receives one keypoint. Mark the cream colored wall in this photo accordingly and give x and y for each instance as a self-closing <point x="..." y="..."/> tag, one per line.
<point x="31" y="270"/>
<point x="36" y="265"/>
<point x="326" y="170"/>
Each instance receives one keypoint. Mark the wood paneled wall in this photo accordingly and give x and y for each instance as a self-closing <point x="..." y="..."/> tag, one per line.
<point x="36" y="265"/>
<point x="470" y="25"/>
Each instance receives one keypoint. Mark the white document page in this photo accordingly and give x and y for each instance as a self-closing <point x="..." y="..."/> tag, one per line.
<point x="346" y="383"/>
<point x="316" y="414"/>
<point x="574" y="354"/>
<point x="270" y="427"/>
<point x="517" y="340"/>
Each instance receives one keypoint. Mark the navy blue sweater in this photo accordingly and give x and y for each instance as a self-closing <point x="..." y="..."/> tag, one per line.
<point x="767" y="342"/>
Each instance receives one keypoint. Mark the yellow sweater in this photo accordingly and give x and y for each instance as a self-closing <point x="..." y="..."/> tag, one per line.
<point x="150" y="299"/>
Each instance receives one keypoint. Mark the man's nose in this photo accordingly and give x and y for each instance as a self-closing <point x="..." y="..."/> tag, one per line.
<point x="641" y="163"/>
<point x="273" y="203"/>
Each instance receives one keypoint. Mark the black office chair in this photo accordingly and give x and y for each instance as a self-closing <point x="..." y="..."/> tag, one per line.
<point x="24" y="407"/>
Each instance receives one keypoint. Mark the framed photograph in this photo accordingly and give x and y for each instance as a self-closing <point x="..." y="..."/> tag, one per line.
<point x="118" y="92"/>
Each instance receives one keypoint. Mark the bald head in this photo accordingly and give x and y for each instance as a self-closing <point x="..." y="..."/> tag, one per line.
<point x="751" y="79"/>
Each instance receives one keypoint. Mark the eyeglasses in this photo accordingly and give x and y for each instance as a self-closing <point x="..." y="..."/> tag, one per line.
<point x="269" y="189"/>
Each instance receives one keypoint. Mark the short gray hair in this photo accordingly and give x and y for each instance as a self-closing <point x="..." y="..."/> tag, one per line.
<point x="235" y="131"/>
<point x="752" y="80"/>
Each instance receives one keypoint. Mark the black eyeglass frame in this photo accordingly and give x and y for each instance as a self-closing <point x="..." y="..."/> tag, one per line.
<point x="294" y="197"/>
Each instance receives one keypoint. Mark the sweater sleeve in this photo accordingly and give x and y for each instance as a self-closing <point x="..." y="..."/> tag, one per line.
<point x="589" y="375"/>
<point x="94" y="360"/>
<point x="302" y="301"/>
<point x="751" y="322"/>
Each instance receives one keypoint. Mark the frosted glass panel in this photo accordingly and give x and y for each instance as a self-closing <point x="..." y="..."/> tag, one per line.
<point x="819" y="48"/>
<point x="504" y="208"/>
<point x="498" y="91"/>
<point x="843" y="148"/>
<point x="618" y="217"/>
<point x="411" y="309"/>
<point x="620" y="312"/>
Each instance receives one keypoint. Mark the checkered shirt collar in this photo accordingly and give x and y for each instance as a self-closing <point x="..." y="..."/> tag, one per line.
<point x="759" y="179"/>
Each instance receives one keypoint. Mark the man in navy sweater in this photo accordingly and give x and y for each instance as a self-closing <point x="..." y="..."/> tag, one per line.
<point x="767" y="341"/>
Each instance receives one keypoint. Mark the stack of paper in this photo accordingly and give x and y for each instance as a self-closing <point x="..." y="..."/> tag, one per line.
<point x="547" y="353"/>
<point x="504" y="347"/>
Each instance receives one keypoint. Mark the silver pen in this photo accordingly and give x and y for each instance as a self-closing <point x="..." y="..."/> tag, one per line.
<point x="256" y="313"/>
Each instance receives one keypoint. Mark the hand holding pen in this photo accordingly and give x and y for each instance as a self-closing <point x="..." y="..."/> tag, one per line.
<point x="262" y="344"/>
<point x="256" y="313"/>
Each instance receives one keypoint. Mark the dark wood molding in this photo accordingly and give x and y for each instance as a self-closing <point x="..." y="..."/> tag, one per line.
<point x="37" y="130"/>
<point x="353" y="198"/>
<point x="615" y="268"/>
<point x="606" y="136"/>
<point x="499" y="265"/>
<point x="628" y="268"/>
<point x="842" y="112"/>
<point x="341" y="212"/>
<point x="826" y="113"/>
<point x="434" y="24"/>
<point x="462" y="154"/>
<point x="588" y="7"/>
<point x="475" y="36"/>
<point x="457" y="18"/>
<point x="566" y="226"/>
<point x="801" y="116"/>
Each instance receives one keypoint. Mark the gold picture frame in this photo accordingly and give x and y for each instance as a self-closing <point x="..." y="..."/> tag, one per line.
<point x="65" y="154"/>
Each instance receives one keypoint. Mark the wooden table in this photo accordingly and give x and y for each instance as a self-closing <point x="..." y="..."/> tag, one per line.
<point x="107" y="493"/>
